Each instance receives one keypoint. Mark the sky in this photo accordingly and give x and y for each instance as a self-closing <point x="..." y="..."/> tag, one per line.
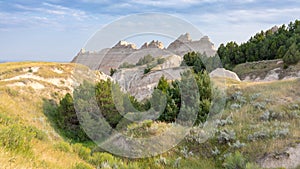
<point x="56" y="30"/>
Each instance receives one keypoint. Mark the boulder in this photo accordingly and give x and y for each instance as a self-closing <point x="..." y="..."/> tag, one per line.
<point x="221" y="72"/>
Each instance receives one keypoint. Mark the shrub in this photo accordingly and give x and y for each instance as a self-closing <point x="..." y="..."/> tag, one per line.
<point x="260" y="105"/>
<point x="147" y="70"/>
<point x="145" y="60"/>
<point x="161" y="60"/>
<point x="226" y="136"/>
<point x="16" y="138"/>
<point x="186" y="153"/>
<point x="255" y="96"/>
<point x="99" y="159"/>
<point x="215" y="152"/>
<point x="259" y="135"/>
<point x="237" y="95"/>
<point x="227" y="121"/>
<point x="38" y="134"/>
<point x="265" y="116"/>
<point x="112" y="71"/>
<point x="238" y="144"/>
<point x="161" y="161"/>
<point x="235" y="106"/>
<point x="126" y="65"/>
<point x="81" y="151"/>
<point x="294" y="107"/>
<point x="82" y="166"/>
<point x="282" y="133"/>
<point x="62" y="146"/>
<point x="235" y="161"/>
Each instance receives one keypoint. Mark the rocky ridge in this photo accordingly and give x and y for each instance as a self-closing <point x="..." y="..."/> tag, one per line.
<point x="124" y="51"/>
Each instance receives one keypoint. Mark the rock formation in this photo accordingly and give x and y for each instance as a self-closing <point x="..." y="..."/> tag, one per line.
<point x="153" y="44"/>
<point x="221" y="72"/>
<point x="184" y="44"/>
<point x="134" y="80"/>
<point x="124" y="51"/>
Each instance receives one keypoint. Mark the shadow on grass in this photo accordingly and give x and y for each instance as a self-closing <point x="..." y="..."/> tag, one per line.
<point x="50" y="110"/>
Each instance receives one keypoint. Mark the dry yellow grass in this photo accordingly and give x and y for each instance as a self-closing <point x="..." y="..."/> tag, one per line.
<point x="24" y="105"/>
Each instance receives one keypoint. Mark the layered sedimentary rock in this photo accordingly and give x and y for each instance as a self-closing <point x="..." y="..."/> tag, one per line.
<point x="184" y="44"/>
<point x="135" y="80"/>
<point x="123" y="51"/>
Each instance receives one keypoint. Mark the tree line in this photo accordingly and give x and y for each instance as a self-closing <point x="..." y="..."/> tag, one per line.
<point x="276" y="43"/>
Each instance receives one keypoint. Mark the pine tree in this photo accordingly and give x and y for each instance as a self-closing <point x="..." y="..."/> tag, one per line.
<point x="292" y="56"/>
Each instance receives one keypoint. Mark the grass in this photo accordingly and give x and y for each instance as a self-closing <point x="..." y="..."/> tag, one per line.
<point x="261" y="68"/>
<point x="26" y="129"/>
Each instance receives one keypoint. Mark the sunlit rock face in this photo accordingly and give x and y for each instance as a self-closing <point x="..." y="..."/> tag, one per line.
<point x="221" y="72"/>
<point x="134" y="80"/>
<point x="124" y="51"/>
<point x="140" y="84"/>
<point x="185" y="44"/>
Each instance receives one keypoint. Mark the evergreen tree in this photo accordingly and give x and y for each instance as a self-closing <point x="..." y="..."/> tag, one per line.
<point x="263" y="46"/>
<point x="292" y="56"/>
<point x="67" y="120"/>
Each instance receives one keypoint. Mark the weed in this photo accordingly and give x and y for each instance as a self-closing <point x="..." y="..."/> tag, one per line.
<point x="226" y="136"/>
<point x="81" y="151"/>
<point x="81" y="166"/>
<point x="235" y="161"/>
<point x="63" y="146"/>
<point x="16" y="138"/>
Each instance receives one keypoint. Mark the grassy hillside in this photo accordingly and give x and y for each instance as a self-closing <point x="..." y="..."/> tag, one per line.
<point x="260" y="121"/>
<point x="261" y="69"/>
<point x="27" y="138"/>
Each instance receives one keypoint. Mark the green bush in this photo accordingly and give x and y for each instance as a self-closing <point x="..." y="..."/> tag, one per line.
<point x="112" y="71"/>
<point x="126" y="65"/>
<point x="67" y="120"/>
<point x="145" y="60"/>
<point x="63" y="146"/>
<point x="99" y="158"/>
<point x="38" y="134"/>
<point x="81" y="166"/>
<point x="235" y="161"/>
<point x="81" y="151"/>
<point x="161" y="60"/>
<point x="148" y="69"/>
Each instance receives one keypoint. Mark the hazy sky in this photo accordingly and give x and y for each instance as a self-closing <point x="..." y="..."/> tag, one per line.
<point x="55" y="30"/>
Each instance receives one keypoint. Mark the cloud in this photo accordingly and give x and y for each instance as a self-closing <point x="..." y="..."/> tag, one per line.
<point x="46" y="15"/>
<point x="221" y="20"/>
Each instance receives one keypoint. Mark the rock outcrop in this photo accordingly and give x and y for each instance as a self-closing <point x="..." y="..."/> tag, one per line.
<point x="124" y="51"/>
<point x="267" y="70"/>
<point x="153" y="44"/>
<point x="140" y="85"/>
<point x="221" y="72"/>
<point x="184" y="44"/>
<point x="134" y="80"/>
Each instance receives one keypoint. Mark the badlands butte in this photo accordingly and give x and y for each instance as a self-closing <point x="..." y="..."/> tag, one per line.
<point x="124" y="51"/>
<point x="133" y="78"/>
